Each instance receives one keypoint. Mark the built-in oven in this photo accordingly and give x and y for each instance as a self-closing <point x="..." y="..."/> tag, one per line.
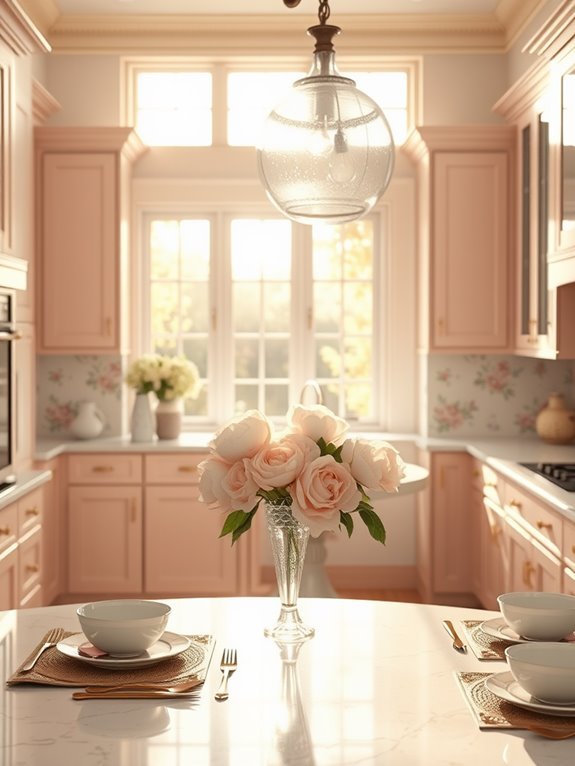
<point x="8" y="334"/>
<point x="561" y="474"/>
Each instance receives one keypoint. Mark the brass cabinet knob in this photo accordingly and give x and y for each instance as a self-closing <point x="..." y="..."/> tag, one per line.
<point x="6" y="531"/>
<point x="32" y="568"/>
<point x="103" y="468"/>
<point x="544" y="525"/>
<point x="32" y="511"/>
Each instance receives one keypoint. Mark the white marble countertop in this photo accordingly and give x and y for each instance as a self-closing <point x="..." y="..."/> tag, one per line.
<point x="503" y="454"/>
<point x="376" y="685"/>
<point x="26" y="482"/>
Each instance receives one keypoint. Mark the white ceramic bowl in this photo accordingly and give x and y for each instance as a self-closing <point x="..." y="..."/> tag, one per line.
<point x="545" y="669"/>
<point x="539" y="616"/>
<point x="123" y="627"/>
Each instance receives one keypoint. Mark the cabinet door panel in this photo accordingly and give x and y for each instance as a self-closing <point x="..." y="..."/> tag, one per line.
<point x="9" y="580"/>
<point x="105" y="539"/>
<point x="79" y="220"/>
<point x="183" y="553"/>
<point x="470" y="250"/>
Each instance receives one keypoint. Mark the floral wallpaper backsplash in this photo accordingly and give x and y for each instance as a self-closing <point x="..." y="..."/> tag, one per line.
<point x="66" y="381"/>
<point x="492" y="395"/>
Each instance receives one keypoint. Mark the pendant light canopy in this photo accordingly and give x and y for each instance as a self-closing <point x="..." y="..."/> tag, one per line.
<point x="326" y="151"/>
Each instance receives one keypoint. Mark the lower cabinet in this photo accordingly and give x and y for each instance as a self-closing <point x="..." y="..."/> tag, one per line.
<point x="21" y="559"/>
<point x="182" y="552"/>
<point x="136" y="526"/>
<point x="104" y="539"/>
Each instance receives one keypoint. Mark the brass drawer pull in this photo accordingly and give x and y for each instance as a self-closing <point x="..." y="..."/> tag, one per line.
<point x="495" y="532"/>
<point x="187" y="468"/>
<point x="514" y="504"/>
<point x="32" y="511"/>
<point x="573" y="549"/>
<point x="6" y="531"/>
<point x="544" y="525"/>
<point x="528" y="570"/>
<point x="32" y="568"/>
<point x="103" y="468"/>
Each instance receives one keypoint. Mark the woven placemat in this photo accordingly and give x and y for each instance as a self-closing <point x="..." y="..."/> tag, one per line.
<point x="491" y="712"/>
<point x="486" y="647"/>
<point x="55" y="669"/>
<point x="483" y="646"/>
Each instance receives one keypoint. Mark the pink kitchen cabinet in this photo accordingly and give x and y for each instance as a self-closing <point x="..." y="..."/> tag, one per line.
<point x="444" y="524"/>
<point x="82" y="211"/>
<point x="466" y="239"/>
<point x="105" y="539"/>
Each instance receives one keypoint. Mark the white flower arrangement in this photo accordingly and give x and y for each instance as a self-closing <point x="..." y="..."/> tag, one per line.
<point x="312" y="467"/>
<point x="168" y="377"/>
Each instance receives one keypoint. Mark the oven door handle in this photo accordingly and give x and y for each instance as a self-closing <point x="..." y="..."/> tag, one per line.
<point x="11" y="335"/>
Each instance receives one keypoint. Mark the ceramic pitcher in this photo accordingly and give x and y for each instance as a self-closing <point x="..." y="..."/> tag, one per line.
<point x="88" y="423"/>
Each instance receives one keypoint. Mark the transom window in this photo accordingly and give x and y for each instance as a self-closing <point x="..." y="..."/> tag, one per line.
<point x="261" y="305"/>
<point x="182" y="105"/>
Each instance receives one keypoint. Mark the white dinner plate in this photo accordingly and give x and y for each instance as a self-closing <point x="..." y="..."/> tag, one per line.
<point x="169" y="645"/>
<point x="504" y="686"/>
<point x="498" y="628"/>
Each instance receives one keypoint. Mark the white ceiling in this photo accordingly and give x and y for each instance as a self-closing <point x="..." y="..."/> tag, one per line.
<point x="211" y="7"/>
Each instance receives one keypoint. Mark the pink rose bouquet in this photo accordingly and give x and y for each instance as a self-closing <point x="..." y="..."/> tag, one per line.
<point x="311" y="466"/>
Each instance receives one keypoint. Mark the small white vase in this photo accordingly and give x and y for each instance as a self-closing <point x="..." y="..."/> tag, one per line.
<point x="169" y="419"/>
<point x="142" y="423"/>
<point x="88" y="423"/>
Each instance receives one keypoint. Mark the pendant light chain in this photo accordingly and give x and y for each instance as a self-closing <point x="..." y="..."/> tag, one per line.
<point x="324" y="12"/>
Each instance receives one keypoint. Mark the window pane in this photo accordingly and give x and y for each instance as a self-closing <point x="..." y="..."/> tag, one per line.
<point x="196" y="349"/>
<point x="195" y="249"/>
<point x="194" y="311"/>
<point x="164" y="247"/>
<point x="328" y="359"/>
<point x="277" y="358"/>
<point x="357" y="401"/>
<point x="247" y="316"/>
<point x="358" y="311"/>
<point x="327" y="306"/>
<point x="164" y="309"/>
<point x="276" y="400"/>
<point x="246" y="398"/>
<point x="174" y="108"/>
<point x="247" y="365"/>
<point x="261" y="306"/>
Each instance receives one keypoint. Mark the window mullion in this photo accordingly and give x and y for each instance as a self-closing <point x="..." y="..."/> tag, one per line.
<point x="302" y="336"/>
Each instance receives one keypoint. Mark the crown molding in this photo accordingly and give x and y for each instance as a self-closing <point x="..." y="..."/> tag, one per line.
<point x="515" y="15"/>
<point x="44" y="105"/>
<point x="264" y="34"/>
<point x="18" y="30"/>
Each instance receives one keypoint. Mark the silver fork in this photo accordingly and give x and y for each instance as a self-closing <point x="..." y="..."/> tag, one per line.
<point x="52" y="638"/>
<point x="228" y="665"/>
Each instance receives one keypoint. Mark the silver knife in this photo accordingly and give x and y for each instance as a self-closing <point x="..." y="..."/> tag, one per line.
<point x="457" y="642"/>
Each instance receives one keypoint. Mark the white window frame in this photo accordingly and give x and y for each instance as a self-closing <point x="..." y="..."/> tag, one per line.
<point x="219" y="67"/>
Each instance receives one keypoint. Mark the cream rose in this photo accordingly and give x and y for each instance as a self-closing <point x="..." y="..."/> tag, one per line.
<point x="323" y="489"/>
<point x="240" y="486"/>
<point x="242" y="437"/>
<point x="278" y="464"/>
<point x="374" y="464"/>
<point x="317" y="421"/>
<point x="212" y="472"/>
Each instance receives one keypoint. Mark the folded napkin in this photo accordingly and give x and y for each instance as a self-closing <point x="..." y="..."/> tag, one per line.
<point x="491" y="712"/>
<point x="55" y="669"/>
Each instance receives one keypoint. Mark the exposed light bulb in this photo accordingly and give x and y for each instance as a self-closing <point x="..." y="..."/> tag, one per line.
<point x="341" y="167"/>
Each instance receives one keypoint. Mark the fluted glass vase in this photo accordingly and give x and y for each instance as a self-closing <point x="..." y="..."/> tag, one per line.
<point x="289" y="542"/>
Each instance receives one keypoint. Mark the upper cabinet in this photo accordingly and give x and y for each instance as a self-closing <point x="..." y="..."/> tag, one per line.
<point x="81" y="180"/>
<point x="540" y="108"/>
<point x="465" y="177"/>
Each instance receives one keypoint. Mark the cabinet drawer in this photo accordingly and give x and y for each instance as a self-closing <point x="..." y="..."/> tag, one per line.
<point x="8" y="526"/>
<point x="29" y="564"/>
<point x="492" y="485"/>
<point x="175" y="468"/>
<point x="569" y="543"/>
<point x="30" y="511"/>
<point x="542" y="523"/>
<point x="105" y="468"/>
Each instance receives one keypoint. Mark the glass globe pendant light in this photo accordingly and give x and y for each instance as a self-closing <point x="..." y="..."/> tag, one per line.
<point x="326" y="151"/>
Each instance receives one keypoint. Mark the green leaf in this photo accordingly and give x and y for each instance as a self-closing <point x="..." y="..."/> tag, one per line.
<point x="373" y="524"/>
<point x="336" y="454"/>
<point x="238" y="532"/>
<point x="321" y="443"/>
<point x="347" y="521"/>
<point x="234" y="520"/>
